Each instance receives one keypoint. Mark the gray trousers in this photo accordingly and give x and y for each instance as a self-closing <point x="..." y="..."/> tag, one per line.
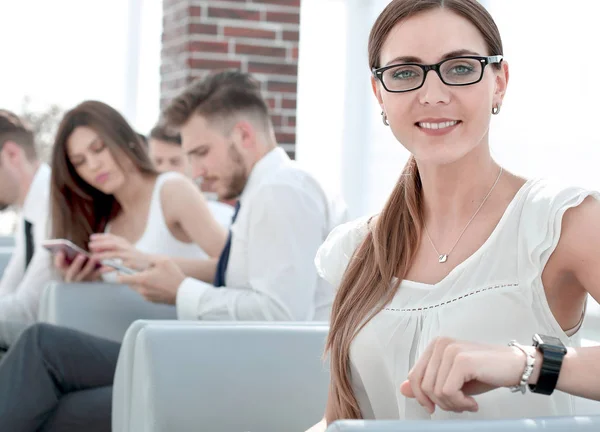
<point x="57" y="379"/>
<point x="9" y="333"/>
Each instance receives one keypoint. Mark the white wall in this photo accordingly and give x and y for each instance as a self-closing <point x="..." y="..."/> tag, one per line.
<point x="339" y="131"/>
<point x="65" y="51"/>
<point x="546" y="127"/>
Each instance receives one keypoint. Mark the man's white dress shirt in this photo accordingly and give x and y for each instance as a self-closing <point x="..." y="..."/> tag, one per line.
<point x="285" y="215"/>
<point x="21" y="288"/>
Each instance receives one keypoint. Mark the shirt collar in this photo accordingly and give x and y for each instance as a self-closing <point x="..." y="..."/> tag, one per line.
<point x="37" y="197"/>
<point x="269" y="162"/>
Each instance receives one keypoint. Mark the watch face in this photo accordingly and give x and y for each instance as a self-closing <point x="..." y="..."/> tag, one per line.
<point x="549" y="343"/>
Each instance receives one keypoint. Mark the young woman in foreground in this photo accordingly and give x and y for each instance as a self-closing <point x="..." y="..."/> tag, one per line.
<point x="463" y="248"/>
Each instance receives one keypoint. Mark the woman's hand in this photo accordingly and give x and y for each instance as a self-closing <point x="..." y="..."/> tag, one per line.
<point x="81" y="269"/>
<point x="450" y="372"/>
<point x="113" y="247"/>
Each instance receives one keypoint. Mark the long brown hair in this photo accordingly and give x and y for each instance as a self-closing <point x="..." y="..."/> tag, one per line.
<point x="78" y="209"/>
<point x="389" y="248"/>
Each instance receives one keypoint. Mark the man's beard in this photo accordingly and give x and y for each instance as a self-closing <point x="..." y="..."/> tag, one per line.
<point x="239" y="177"/>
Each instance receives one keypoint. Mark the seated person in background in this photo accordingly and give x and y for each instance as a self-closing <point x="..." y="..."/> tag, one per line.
<point x="25" y="183"/>
<point x="167" y="155"/>
<point x="107" y="197"/>
<point x="164" y="149"/>
<point x="265" y="272"/>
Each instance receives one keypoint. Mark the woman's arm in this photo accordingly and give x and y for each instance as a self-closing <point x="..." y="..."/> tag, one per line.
<point x="201" y="269"/>
<point x="183" y="203"/>
<point x="580" y="373"/>
<point x="451" y="372"/>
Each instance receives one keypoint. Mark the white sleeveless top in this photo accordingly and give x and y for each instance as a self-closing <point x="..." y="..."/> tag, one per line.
<point x="494" y="296"/>
<point x="157" y="238"/>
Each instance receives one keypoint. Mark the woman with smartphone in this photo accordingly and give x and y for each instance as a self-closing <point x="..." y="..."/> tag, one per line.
<point x="107" y="198"/>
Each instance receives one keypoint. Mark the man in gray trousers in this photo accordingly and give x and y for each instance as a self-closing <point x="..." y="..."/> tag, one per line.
<point x="25" y="184"/>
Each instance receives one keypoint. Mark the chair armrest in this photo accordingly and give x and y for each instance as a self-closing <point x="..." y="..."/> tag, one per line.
<point x="547" y="424"/>
<point x="102" y="309"/>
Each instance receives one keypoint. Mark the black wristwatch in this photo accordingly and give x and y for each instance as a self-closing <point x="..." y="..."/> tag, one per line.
<point x="553" y="352"/>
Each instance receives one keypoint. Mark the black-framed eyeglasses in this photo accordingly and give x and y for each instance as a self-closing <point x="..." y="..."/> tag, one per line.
<point x="455" y="71"/>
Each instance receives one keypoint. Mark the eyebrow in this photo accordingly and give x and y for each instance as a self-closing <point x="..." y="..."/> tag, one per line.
<point x="92" y="142"/>
<point x="413" y="59"/>
<point x="196" y="149"/>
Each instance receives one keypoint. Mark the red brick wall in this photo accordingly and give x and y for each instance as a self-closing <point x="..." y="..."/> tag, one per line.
<point x="256" y="36"/>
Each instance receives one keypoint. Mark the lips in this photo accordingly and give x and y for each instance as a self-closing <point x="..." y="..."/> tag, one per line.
<point x="102" y="178"/>
<point x="437" y="125"/>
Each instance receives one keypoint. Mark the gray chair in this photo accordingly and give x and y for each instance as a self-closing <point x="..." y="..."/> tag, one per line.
<point x="7" y="241"/>
<point x="102" y="309"/>
<point x="220" y="377"/>
<point x="547" y="424"/>
<point x="4" y="259"/>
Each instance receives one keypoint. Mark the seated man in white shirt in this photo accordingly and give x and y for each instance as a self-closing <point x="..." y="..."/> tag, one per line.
<point x="284" y="213"/>
<point x="24" y="183"/>
<point x="164" y="148"/>
<point x="266" y="271"/>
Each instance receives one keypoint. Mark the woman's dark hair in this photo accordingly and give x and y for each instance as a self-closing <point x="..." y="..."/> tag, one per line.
<point x="78" y="209"/>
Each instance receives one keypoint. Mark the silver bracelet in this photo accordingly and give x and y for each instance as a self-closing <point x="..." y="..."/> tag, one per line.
<point x="530" y="363"/>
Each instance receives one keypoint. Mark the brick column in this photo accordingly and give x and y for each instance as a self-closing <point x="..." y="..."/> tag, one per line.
<point x="255" y="36"/>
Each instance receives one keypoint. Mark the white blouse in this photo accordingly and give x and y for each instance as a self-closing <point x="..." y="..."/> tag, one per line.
<point x="494" y="296"/>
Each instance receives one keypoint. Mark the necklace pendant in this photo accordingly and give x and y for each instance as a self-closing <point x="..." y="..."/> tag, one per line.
<point x="443" y="258"/>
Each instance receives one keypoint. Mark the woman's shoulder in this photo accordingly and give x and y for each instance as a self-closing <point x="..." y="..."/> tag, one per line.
<point x="171" y="177"/>
<point x="177" y="193"/>
<point x="541" y="217"/>
<point x="544" y="198"/>
<point x="334" y="254"/>
<point x="175" y="184"/>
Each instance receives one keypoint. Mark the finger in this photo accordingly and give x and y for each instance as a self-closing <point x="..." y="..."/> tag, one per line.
<point x="105" y="269"/>
<point x="84" y="271"/>
<point x="103" y="245"/>
<point x="138" y="279"/>
<point x="89" y="268"/>
<point x="96" y="274"/>
<point x="59" y="261"/>
<point x="460" y="372"/>
<point x="415" y="377"/>
<point x="102" y="236"/>
<point x="444" y="400"/>
<point x="110" y="255"/>
<point x="431" y="372"/>
<point x="142" y="291"/>
<point x="406" y="390"/>
<point x="74" y="268"/>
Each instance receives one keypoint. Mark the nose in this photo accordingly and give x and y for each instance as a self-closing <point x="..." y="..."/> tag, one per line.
<point x="434" y="91"/>
<point x="93" y="162"/>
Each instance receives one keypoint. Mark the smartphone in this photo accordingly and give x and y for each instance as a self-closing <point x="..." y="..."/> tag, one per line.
<point x="67" y="247"/>
<point x="71" y="251"/>
<point x="117" y="266"/>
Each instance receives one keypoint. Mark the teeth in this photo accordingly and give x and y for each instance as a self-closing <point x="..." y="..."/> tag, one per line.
<point x="442" y="125"/>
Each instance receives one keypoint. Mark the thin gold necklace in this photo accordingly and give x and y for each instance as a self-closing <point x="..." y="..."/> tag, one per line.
<point x="442" y="258"/>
